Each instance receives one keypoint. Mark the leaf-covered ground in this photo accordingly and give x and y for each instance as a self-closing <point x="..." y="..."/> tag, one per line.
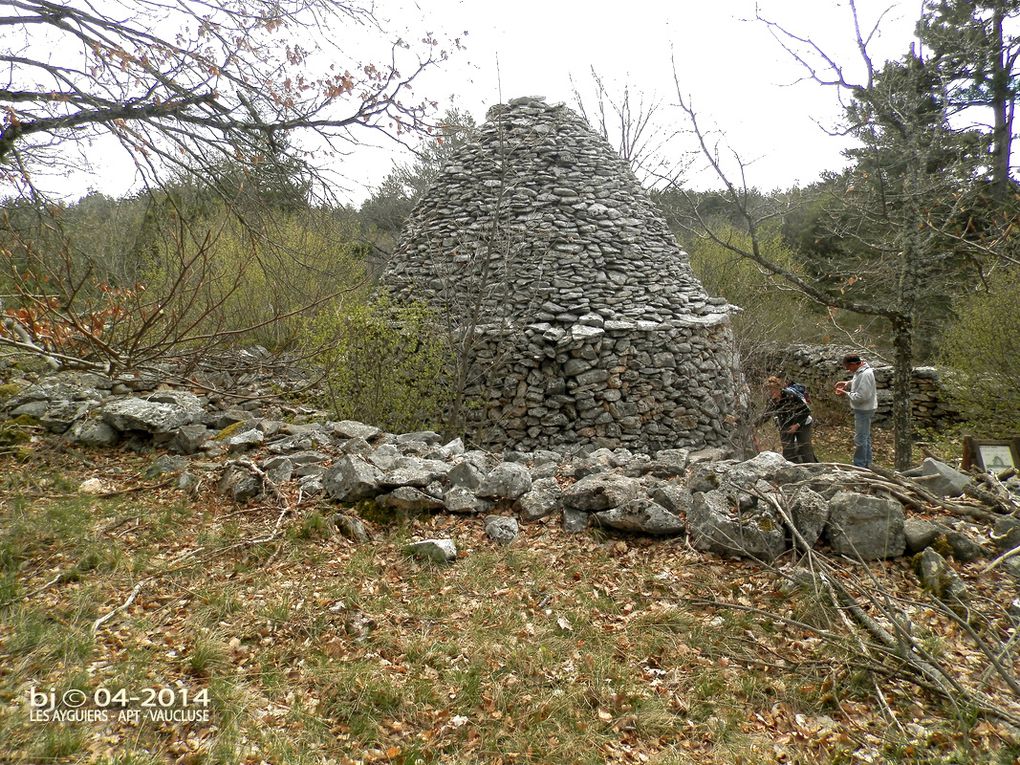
<point x="295" y="645"/>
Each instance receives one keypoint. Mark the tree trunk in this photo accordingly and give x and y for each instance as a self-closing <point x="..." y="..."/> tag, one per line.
<point x="903" y="338"/>
<point x="1002" y="108"/>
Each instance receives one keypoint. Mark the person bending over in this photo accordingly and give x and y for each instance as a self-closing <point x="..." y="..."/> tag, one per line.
<point x="793" y="417"/>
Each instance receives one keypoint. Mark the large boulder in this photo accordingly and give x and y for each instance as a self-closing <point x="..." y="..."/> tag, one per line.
<point x="641" y="515"/>
<point x="151" y="416"/>
<point x="668" y="463"/>
<point x="466" y="474"/>
<point x="809" y="512"/>
<point x="414" y="471"/>
<point x="61" y="415"/>
<point x="93" y="432"/>
<point x="543" y="499"/>
<point x="717" y="523"/>
<point x="353" y="429"/>
<point x="463" y="501"/>
<point x="352" y="479"/>
<point x="508" y="480"/>
<point x="940" y="479"/>
<point x="676" y="499"/>
<point x="602" y="491"/>
<point x="865" y="527"/>
<point x="919" y="534"/>
<point x="770" y="467"/>
<point x="408" y="499"/>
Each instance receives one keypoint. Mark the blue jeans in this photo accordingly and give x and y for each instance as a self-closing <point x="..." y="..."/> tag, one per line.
<point x="862" y="437"/>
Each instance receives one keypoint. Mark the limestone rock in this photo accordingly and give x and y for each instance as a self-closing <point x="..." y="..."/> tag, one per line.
<point x="435" y="550"/>
<point x="601" y="491"/>
<point x="676" y="499"/>
<point x="352" y="479"/>
<point x="575" y="521"/>
<point x="641" y="515"/>
<point x="409" y="500"/>
<point x="244" y="440"/>
<point x="717" y="524"/>
<point x="501" y="529"/>
<point x="92" y="432"/>
<point x="940" y="479"/>
<point x="188" y="439"/>
<point x="465" y="474"/>
<point x="919" y="534"/>
<point x="352" y="429"/>
<point x="809" y="512"/>
<point x="542" y="500"/>
<point x="149" y="416"/>
<point x="240" y="484"/>
<point x="866" y="527"/>
<point x="508" y="480"/>
<point x="462" y="500"/>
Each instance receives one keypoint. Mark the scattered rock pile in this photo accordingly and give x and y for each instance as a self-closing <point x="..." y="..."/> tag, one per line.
<point x="756" y="508"/>
<point x="579" y="316"/>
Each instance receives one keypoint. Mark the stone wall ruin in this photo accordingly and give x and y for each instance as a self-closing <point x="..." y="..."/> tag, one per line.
<point x="576" y="313"/>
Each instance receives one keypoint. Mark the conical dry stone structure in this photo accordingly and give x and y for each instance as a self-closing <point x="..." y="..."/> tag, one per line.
<point x="577" y="315"/>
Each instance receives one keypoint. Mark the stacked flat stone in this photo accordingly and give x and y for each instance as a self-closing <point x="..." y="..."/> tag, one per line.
<point x="586" y="323"/>
<point x="819" y="367"/>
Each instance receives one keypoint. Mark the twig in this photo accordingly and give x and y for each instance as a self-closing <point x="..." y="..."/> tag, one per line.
<point x="901" y="645"/>
<point x="122" y="607"/>
<point x="1002" y="559"/>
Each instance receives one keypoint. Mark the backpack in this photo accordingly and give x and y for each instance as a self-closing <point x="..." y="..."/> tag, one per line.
<point x="800" y="392"/>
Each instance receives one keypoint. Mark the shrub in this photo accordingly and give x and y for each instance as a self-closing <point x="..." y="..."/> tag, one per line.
<point x="982" y="347"/>
<point x="770" y="315"/>
<point x="383" y="364"/>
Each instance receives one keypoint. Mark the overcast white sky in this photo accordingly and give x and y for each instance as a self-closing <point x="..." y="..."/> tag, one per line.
<point x="738" y="77"/>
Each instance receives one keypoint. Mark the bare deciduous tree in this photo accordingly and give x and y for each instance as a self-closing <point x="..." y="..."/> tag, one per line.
<point x="230" y="100"/>
<point x="186" y="84"/>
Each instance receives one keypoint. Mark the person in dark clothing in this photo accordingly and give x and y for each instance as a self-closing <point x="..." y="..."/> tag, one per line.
<point x="793" y="416"/>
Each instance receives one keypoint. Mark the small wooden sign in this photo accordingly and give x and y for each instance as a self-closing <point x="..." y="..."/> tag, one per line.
<point x="991" y="455"/>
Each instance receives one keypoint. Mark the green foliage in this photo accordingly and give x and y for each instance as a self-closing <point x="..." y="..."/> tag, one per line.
<point x="383" y="364"/>
<point x="255" y="283"/>
<point x="178" y="269"/>
<point x="971" y="47"/>
<point x="391" y="203"/>
<point x="983" y="349"/>
<point x="769" y="313"/>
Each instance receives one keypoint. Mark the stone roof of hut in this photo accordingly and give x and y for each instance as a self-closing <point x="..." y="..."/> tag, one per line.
<point x="540" y="220"/>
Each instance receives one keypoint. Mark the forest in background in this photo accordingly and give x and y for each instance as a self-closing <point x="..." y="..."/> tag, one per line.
<point x="908" y="253"/>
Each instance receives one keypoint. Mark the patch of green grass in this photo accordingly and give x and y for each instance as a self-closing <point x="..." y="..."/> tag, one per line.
<point x="218" y="603"/>
<point x="30" y="629"/>
<point x="314" y="525"/>
<point x="208" y="655"/>
<point x="167" y="520"/>
<point x="359" y="697"/>
<point x="10" y="588"/>
<point x="59" y="741"/>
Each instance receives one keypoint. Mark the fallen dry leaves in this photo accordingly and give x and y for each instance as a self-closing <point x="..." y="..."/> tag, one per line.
<point x="558" y="648"/>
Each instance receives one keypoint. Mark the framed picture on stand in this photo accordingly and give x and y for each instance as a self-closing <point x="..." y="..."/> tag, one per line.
<point x="991" y="455"/>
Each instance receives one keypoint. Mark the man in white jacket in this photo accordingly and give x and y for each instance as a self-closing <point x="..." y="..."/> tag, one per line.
<point x="863" y="396"/>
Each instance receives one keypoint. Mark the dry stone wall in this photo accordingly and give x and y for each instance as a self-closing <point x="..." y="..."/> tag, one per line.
<point x="579" y="314"/>
<point x="819" y="367"/>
